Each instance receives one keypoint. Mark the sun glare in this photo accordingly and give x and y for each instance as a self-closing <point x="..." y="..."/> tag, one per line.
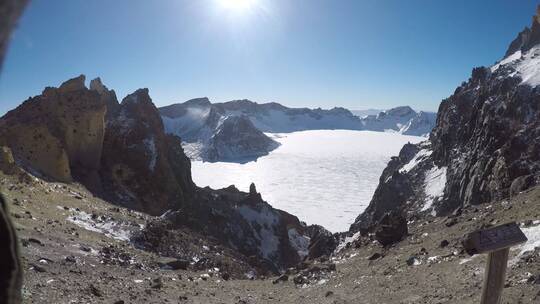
<point x="237" y="5"/>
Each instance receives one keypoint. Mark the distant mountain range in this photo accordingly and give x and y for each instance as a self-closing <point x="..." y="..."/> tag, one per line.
<point x="364" y="113"/>
<point x="233" y="131"/>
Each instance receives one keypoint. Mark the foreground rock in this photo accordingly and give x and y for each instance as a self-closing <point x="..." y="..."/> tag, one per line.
<point x="391" y="229"/>
<point x="268" y="239"/>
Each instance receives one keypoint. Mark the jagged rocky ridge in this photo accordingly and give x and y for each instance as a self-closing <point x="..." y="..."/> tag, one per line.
<point x="233" y="130"/>
<point x="120" y="152"/>
<point x="485" y="146"/>
<point x="403" y="120"/>
<point x="210" y="135"/>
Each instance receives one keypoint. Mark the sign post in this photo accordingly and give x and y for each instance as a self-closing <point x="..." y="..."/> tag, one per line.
<point x="496" y="242"/>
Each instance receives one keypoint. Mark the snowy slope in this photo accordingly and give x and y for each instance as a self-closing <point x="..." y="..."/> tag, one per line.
<point x="365" y="113"/>
<point x="199" y="123"/>
<point x="524" y="65"/>
<point x="210" y="135"/>
<point x="402" y="120"/>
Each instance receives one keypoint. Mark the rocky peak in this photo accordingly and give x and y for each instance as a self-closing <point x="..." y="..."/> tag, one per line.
<point x="74" y="84"/>
<point x="140" y="96"/>
<point x="97" y="85"/>
<point x="200" y="102"/>
<point x="107" y="96"/>
<point x="400" y="111"/>
<point x="527" y="38"/>
<point x="136" y="148"/>
<point x="484" y="148"/>
<point x="58" y="134"/>
<point x="237" y="139"/>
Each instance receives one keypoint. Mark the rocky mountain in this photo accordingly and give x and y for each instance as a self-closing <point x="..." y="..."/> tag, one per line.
<point x="403" y="120"/>
<point x="485" y="146"/>
<point x="233" y="131"/>
<point x="364" y="113"/>
<point x="211" y="135"/>
<point x="122" y="154"/>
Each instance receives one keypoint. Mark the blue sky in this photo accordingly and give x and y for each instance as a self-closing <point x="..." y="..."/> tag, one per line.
<point x="316" y="53"/>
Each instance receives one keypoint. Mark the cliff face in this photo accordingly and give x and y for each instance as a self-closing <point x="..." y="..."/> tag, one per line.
<point x="141" y="166"/>
<point x="237" y="139"/>
<point x="58" y="133"/>
<point x="485" y="146"/>
<point x="119" y="151"/>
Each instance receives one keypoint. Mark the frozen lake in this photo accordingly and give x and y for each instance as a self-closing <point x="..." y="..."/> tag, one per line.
<point x="324" y="177"/>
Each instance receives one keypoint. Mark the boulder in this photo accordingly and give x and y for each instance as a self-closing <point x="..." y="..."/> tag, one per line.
<point x="322" y="242"/>
<point x="391" y="229"/>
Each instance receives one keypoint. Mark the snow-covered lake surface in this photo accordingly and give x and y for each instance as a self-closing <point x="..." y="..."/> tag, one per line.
<point x="324" y="177"/>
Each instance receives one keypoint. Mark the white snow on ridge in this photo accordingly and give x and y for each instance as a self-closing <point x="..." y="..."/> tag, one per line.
<point x="418" y="158"/>
<point x="507" y="60"/>
<point x="529" y="67"/>
<point x="346" y="241"/>
<point x="526" y="65"/>
<point x="265" y="219"/>
<point x="299" y="242"/>
<point x="150" y="145"/>
<point x="276" y="121"/>
<point x="434" y="184"/>
<point x="185" y="125"/>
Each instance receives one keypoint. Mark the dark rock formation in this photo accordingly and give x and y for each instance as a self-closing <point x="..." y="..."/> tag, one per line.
<point x="401" y="119"/>
<point x="211" y="134"/>
<point x="237" y="139"/>
<point x="485" y="146"/>
<point x="322" y="242"/>
<point x="527" y="38"/>
<point x="245" y="222"/>
<point x="142" y="167"/>
<point x="391" y="229"/>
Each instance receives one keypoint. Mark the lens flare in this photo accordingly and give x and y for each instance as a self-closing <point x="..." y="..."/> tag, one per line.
<point x="237" y="5"/>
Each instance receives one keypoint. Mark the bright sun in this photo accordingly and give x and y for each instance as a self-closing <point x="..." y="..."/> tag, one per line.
<point x="237" y="5"/>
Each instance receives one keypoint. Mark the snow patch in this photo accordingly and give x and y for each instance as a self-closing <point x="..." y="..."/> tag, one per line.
<point x="525" y="65"/>
<point x="299" y="242"/>
<point x="507" y="60"/>
<point x="418" y="158"/>
<point x="347" y="240"/>
<point x="533" y="236"/>
<point x="264" y="219"/>
<point x="107" y="227"/>
<point x="150" y="145"/>
<point x="434" y="184"/>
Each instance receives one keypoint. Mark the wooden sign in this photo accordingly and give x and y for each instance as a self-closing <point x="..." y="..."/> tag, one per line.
<point x="497" y="242"/>
<point x="492" y="239"/>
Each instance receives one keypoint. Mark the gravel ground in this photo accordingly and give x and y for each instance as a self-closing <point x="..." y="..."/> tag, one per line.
<point x="75" y="250"/>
